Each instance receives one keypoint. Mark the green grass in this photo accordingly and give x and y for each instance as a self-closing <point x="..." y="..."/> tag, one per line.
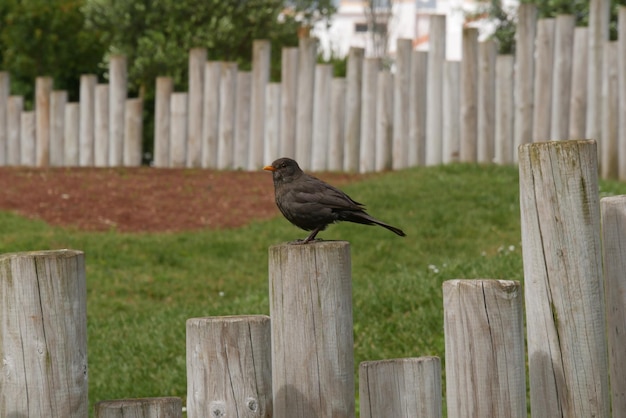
<point x="462" y="222"/>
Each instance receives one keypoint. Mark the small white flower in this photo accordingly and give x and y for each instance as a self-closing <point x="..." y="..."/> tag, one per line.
<point x="221" y="293"/>
<point x="511" y="248"/>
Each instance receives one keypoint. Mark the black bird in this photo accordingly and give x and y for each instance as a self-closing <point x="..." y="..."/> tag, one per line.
<point x="311" y="204"/>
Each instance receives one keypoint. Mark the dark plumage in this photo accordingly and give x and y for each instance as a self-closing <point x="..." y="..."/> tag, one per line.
<point x="311" y="204"/>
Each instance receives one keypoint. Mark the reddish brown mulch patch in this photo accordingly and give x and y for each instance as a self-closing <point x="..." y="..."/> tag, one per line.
<point x="141" y="199"/>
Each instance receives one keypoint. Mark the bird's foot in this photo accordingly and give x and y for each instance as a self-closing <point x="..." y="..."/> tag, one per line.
<point x="304" y="241"/>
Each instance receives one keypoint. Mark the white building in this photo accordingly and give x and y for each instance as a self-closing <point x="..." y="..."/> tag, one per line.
<point x="408" y="19"/>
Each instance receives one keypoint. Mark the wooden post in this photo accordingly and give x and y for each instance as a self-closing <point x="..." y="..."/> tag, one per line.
<point x="614" y="256"/>
<point x="504" y="110"/>
<point x="469" y="96"/>
<point x="402" y="83"/>
<point x="272" y="122"/>
<point x="229" y="367"/>
<point x="14" y="111"/>
<point x="44" y="334"/>
<point x="524" y="74"/>
<point x="337" y="124"/>
<point x="289" y="102"/>
<point x="242" y="120"/>
<point x="371" y="68"/>
<point x="312" y="344"/>
<point x="101" y="126"/>
<point x="210" y="114"/>
<point x="434" y="89"/>
<point x="485" y="140"/>
<point x="484" y="335"/>
<point x="86" y="122"/>
<point x="562" y="76"/>
<point x="384" y="118"/>
<point x="162" y="116"/>
<point x="321" y="116"/>
<point x="565" y="314"/>
<point x="578" y="95"/>
<point x="451" y="139"/>
<point x="43" y="89"/>
<point x="599" y="11"/>
<point x="58" y="100"/>
<point x="133" y="132"/>
<point x="622" y="91"/>
<point x="178" y="130"/>
<point x="226" y="131"/>
<point x="117" y="103"/>
<point x="354" y="89"/>
<point x="5" y="88"/>
<point x="71" y="142"/>
<point x="409" y="387"/>
<point x="197" y="59"/>
<point x="609" y="165"/>
<point x="27" y="138"/>
<point x="418" y="108"/>
<point x="168" y="407"/>
<point x="261" y="54"/>
<point x="543" y="80"/>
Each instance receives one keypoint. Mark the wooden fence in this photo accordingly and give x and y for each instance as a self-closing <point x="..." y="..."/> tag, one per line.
<point x="303" y="365"/>
<point x="564" y="82"/>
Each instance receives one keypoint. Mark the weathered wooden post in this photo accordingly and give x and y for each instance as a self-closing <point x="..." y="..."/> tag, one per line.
<point x="418" y="108"/>
<point x="562" y="76"/>
<point x="166" y="407"/>
<point x="524" y="74"/>
<point x="614" y="253"/>
<point x="58" y="101"/>
<point x="469" y="96"/>
<point x="15" y="107"/>
<point x="367" y="160"/>
<point x="133" y="132"/>
<point x="504" y="110"/>
<point x="543" y="80"/>
<point x="565" y="313"/>
<point x="242" y="119"/>
<point x="434" y="89"/>
<point x="289" y="101"/>
<point x="598" y="34"/>
<point x="71" y="141"/>
<point x="101" y="125"/>
<point x="118" y="74"/>
<point x="337" y="124"/>
<point x="485" y="141"/>
<point x="354" y="90"/>
<point x="27" y="138"/>
<point x="261" y="56"/>
<point x="321" y="117"/>
<point x="226" y="128"/>
<point x="312" y="342"/>
<point x="384" y="118"/>
<point x="484" y="335"/>
<point x="271" y="144"/>
<point x="210" y="113"/>
<point x="451" y="133"/>
<point x="43" y="334"/>
<point x="578" y="95"/>
<point x="43" y="89"/>
<point x="609" y="150"/>
<point x="401" y="97"/>
<point x="621" y="21"/>
<point x="178" y="130"/>
<point x="88" y="84"/>
<point x="197" y="59"/>
<point x="229" y="367"/>
<point x="162" y="116"/>
<point x="5" y="84"/>
<point x="405" y="387"/>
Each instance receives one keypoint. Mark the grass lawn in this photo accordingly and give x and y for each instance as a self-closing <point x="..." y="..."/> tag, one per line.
<point x="462" y="222"/>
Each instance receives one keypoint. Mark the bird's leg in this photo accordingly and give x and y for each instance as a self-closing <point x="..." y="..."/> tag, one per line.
<point x="311" y="236"/>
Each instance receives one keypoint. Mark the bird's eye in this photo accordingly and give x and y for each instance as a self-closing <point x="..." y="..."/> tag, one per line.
<point x="283" y="165"/>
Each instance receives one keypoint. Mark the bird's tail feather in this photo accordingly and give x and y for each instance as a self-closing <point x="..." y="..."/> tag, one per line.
<point x="364" y="218"/>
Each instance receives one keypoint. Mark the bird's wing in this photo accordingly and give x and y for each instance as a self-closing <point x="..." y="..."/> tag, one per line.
<point x="324" y="194"/>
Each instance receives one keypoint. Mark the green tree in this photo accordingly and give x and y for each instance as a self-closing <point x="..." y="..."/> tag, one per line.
<point x="42" y="37"/>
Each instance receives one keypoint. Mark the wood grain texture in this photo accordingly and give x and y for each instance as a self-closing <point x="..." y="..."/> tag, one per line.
<point x="229" y="367"/>
<point x="166" y="407"/>
<point x="614" y="256"/>
<point x="407" y="387"/>
<point x="544" y="62"/>
<point x="564" y="295"/>
<point x="484" y="337"/>
<point x="43" y="329"/>
<point x="312" y="342"/>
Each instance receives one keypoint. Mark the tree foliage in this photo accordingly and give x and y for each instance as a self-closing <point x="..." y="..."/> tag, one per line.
<point x="41" y="37"/>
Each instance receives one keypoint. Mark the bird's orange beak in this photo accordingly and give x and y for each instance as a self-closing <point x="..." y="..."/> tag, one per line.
<point x="269" y="168"/>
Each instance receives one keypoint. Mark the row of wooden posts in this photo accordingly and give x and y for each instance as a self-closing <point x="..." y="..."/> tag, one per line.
<point x="563" y="82"/>
<point x="303" y="365"/>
